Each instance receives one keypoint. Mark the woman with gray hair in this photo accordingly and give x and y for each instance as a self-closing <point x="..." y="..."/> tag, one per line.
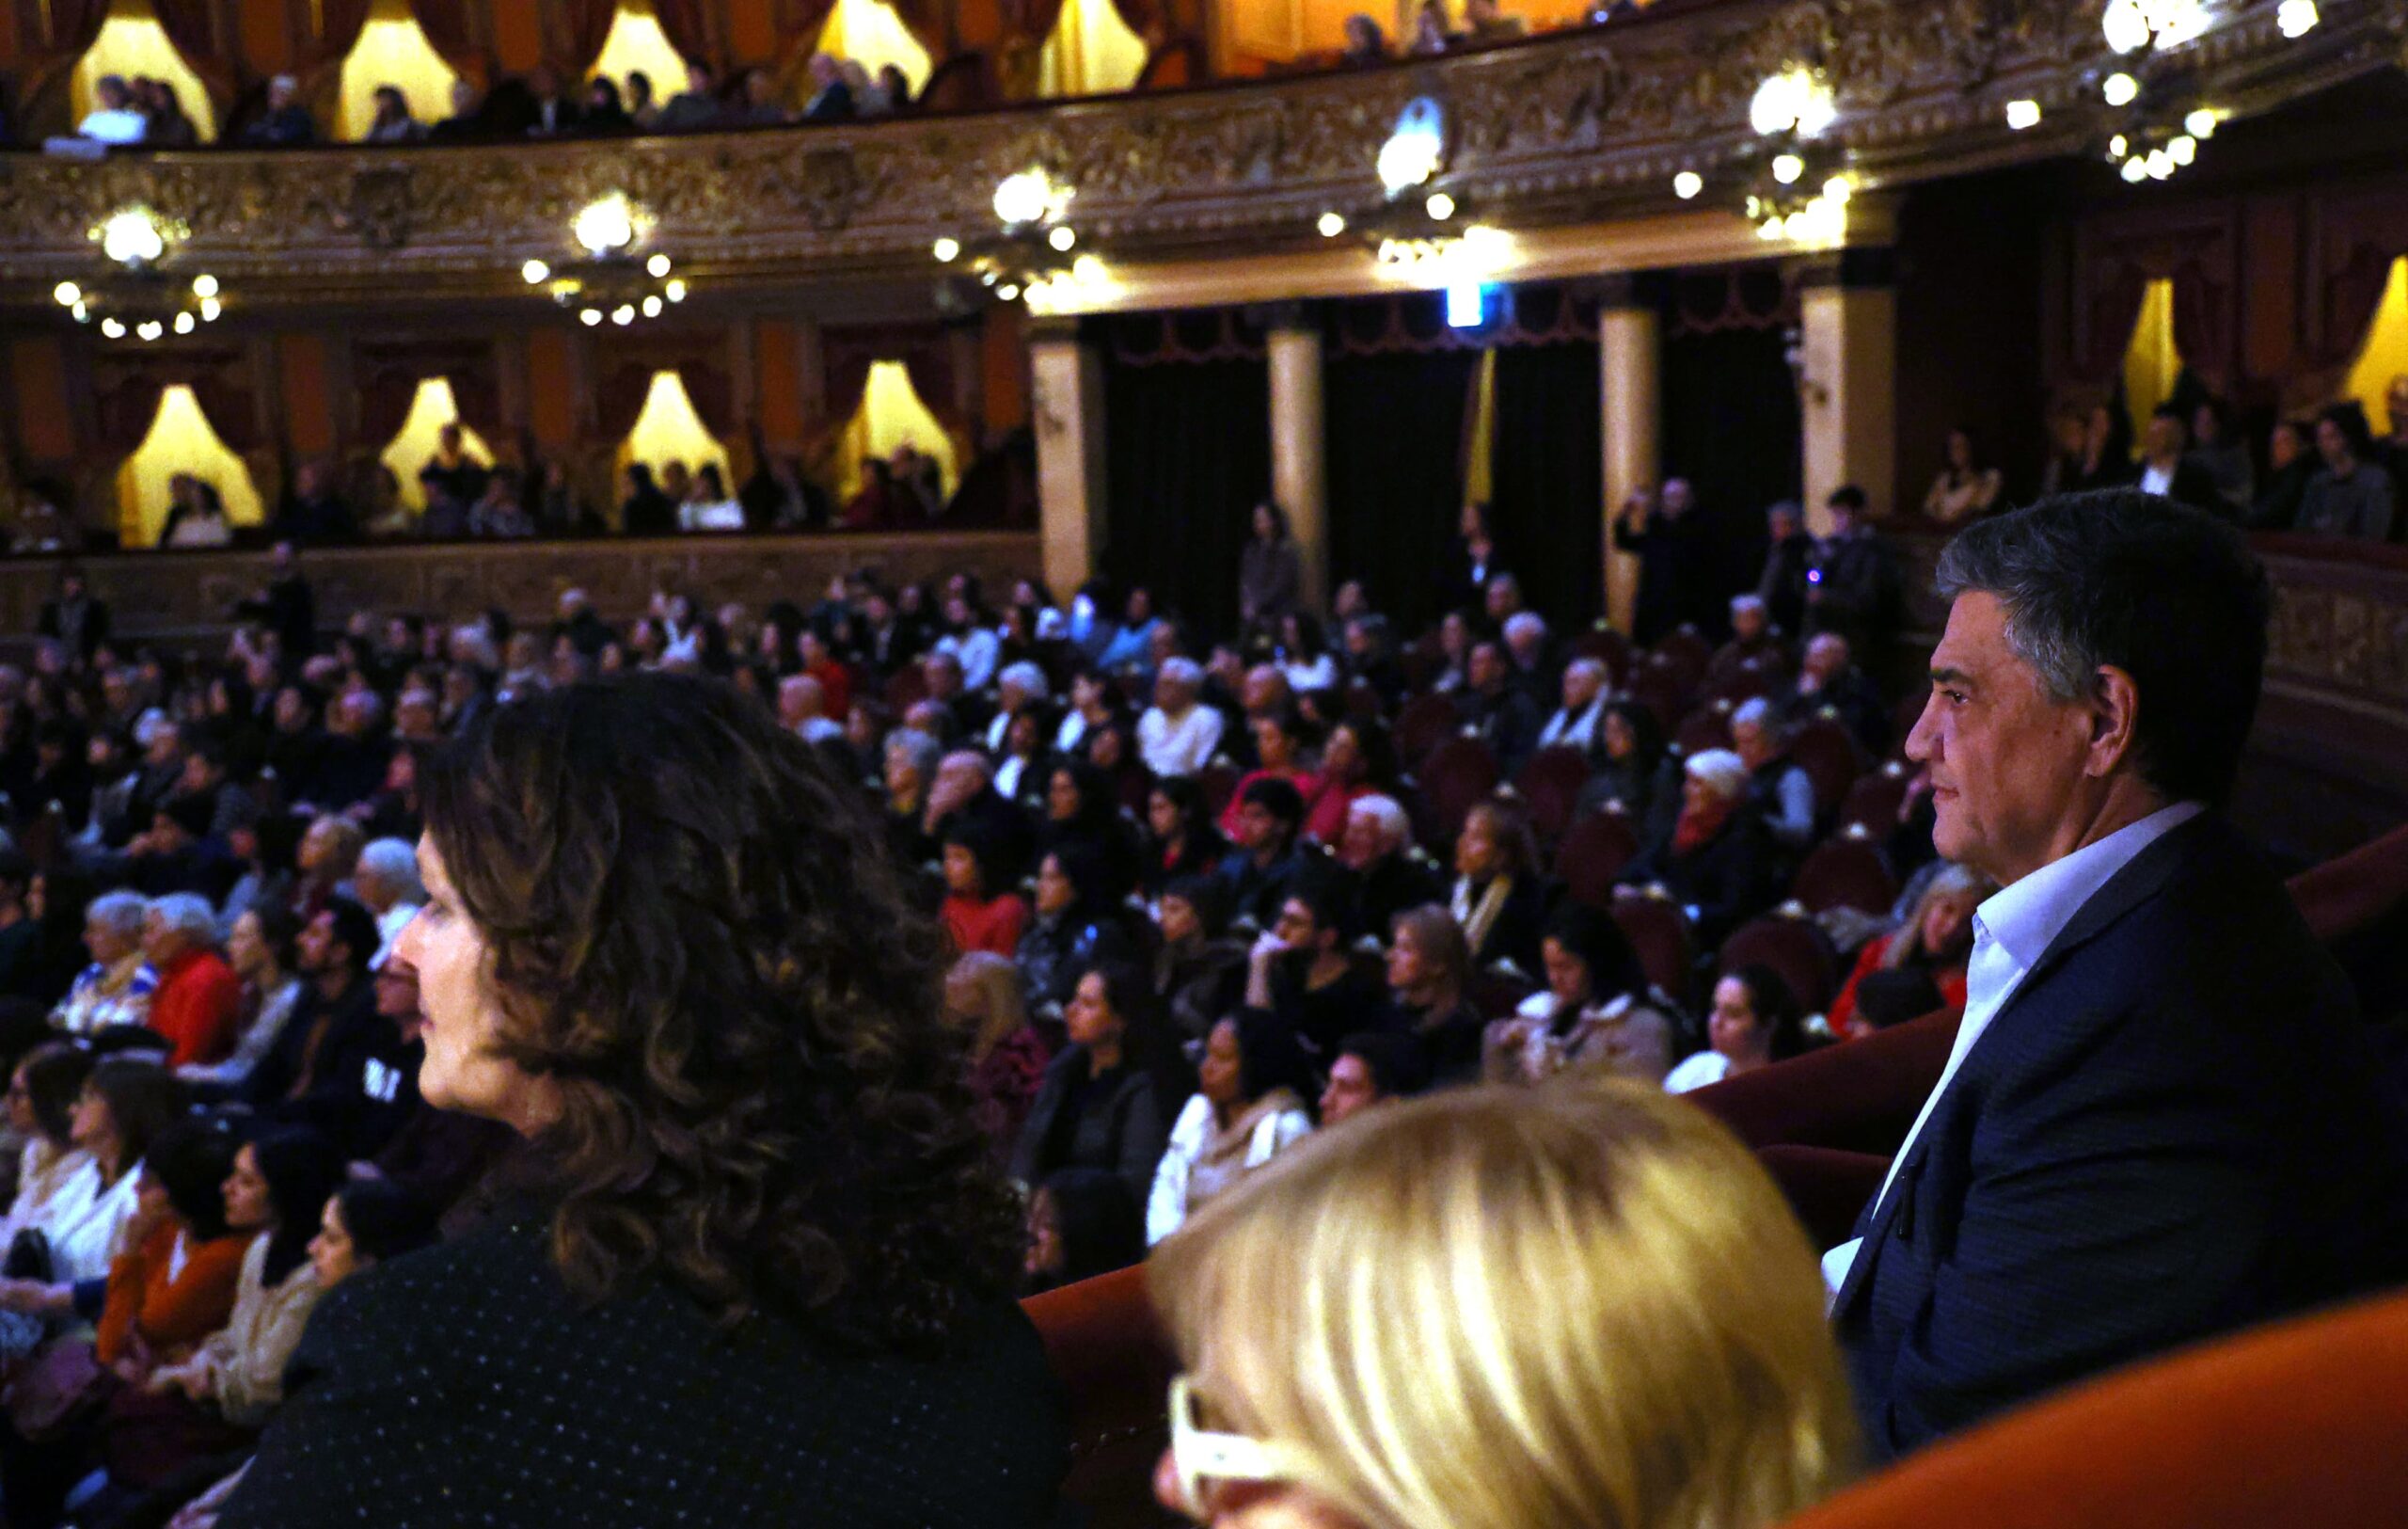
<point x="115" y="988"/>
<point x="1715" y="859"/>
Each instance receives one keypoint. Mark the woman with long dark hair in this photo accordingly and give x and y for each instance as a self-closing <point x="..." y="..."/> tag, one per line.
<point x="768" y="1275"/>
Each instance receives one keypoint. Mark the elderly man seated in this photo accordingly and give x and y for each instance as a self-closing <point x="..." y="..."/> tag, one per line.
<point x="1376" y="849"/>
<point x="1177" y="734"/>
<point x="1780" y="791"/>
<point x="1576" y="723"/>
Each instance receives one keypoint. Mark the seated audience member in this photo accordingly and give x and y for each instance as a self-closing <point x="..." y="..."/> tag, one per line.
<point x="1756" y="646"/>
<point x="1081" y="1222"/>
<point x="171" y="1286"/>
<point x="708" y="505"/>
<point x="1937" y="939"/>
<point x="1829" y="682"/>
<point x="910" y="766"/>
<point x="195" y="515"/>
<point x="1007" y="1056"/>
<point x="1131" y="644"/>
<point x="1529" y="654"/>
<point x="2223" y="458"/>
<point x="2353" y="495"/>
<point x="1431" y="34"/>
<point x="2291" y="462"/>
<point x="1369" y="1070"/>
<point x="1780" y="790"/>
<point x="1498" y="710"/>
<point x="605" y="110"/>
<point x="1789" y="575"/>
<point x="1755" y="1022"/>
<point x="210" y="1402"/>
<point x="1499" y="898"/>
<point x="694" y="108"/>
<point x="1366" y="44"/>
<point x="1094" y="705"/>
<point x="312" y="1076"/>
<point x="1265" y="859"/>
<point x="1083" y="812"/>
<point x="1428" y="967"/>
<point x="1964" y="488"/>
<point x="1074" y="919"/>
<point x="286" y="122"/>
<point x="1178" y="736"/>
<point x="1596" y="1012"/>
<point x="392" y="123"/>
<point x="1018" y="685"/>
<point x="434" y="1155"/>
<point x="115" y="988"/>
<point x="1576" y="723"/>
<point x="1199" y="972"/>
<point x="1100" y="1106"/>
<point x="365" y="1223"/>
<point x="830" y="99"/>
<point x="2168" y="469"/>
<point x="2161" y="1118"/>
<point x="1300" y="971"/>
<point x="979" y="912"/>
<point x="42" y="1091"/>
<point x="1484" y="25"/>
<point x="1855" y="588"/>
<point x="198" y="1002"/>
<point x="1358" y="760"/>
<point x="1303" y="655"/>
<point x="1715" y="860"/>
<point x="767" y="1136"/>
<point x="1635" y="769"/>
<point x="1250" y="1106"/>
<point x="1180" y="841"/>
<point x="114" y="116"/>
<point x="1378" y="850"/>
<point x="1522" y="1246"/>
<point x="1278" y="752"/>
<point x="467" y="122"/>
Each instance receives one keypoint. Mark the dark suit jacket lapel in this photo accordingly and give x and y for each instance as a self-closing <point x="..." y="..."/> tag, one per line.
<point x="2125" y="890"/>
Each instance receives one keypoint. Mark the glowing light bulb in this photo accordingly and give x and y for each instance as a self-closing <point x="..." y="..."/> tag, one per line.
<point x="1009" y="291"/>
<point x="83" y="312"/>
<point x="1440" y="206"/>
<point x="657" y="268"/>
<point x="1331" y="225"/>
<point x="133" y="238"/>
<point x="68" y="294"/>
<point x="204" y="285"/>
<point x="1838" y="189"/>
<point x="652" y="308"/>
<point x="210" y="309"/>
<point x="2119" y="145"/>
<point x="2023" y="114"/>
<point x="624" y="315"/>
<point x="2296" y="17"/>
<point x="536" y="272"/>
<point x="1062" y="239"/>
<point x="590" y="317"/>
<point x="1687" y="184"/>
<point x="150" y="329"/>
<point x="606" y="225"/>
<point x="1026" y="197"/>
<point x="2121" y="90"/>
<point x="2201" y="124"/>
<point x="1787" y="168"/>
<point x="2160" y="165"/>
<point x="185" y="323"/>
<point x="674" y="291"/>
<point x="2126" y="26"/>
<point x="2136" y="170"/>
<point x="946" y="251"/>
<point x="2184" y="148"/>
<point x="112" y="329"/>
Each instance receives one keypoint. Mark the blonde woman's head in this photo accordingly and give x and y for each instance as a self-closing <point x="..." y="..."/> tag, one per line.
<point x="1583" y="1305"/>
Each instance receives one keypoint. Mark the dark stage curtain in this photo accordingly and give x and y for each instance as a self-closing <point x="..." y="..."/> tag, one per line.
<point x="1187" y="456"/>
<point x="1731" y="428"/>
<point x="1547" y="471"/>
<point x="1395" y="439"/>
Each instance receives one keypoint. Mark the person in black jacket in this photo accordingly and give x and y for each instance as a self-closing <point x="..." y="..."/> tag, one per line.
<point x="2161" y="1119"/>
<point x="285" y="604"/>
<point x="1854" y="587"/>
<point x="1715" y="859"/>
<point x="2168" y="469"/>
<point x="1680" y="580"/>
<point x="312" y="1072"/>
<point x="765" y="1269"/>
<point x="74" y="617"/>
<point x="1100" y="1104"/>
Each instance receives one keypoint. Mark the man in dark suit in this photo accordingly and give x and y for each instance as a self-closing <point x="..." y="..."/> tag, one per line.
<point x="76" y="618"/>
<point x="2165" y="466"/>
<point x="2161" y="1119"/>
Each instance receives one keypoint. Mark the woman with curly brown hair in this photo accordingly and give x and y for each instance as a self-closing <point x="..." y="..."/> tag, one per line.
<point x="769" y="1281"/>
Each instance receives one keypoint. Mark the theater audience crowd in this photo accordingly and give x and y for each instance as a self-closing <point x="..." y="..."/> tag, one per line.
<point x="1206" y="902"/>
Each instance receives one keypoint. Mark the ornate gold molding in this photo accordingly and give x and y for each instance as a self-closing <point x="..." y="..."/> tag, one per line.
<point x="1577" y="128"/>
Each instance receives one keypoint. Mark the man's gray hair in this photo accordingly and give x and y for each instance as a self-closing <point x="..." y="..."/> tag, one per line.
<point x="1395" y="827"/>
<point x="1026" y="677"/>
<point x="1525" y="624"/>
<point x="394" y="863"/>
<point x="923" y="749"/>
<point x="1180" y="670"/>
<point x="2029" y="575"/>
<point x="1758" y="712"/>
<point x="187" y="914"/>
<point x="1588" y="668"/>
<point x="120" y="913"/>
<point x="1747" y="602"/>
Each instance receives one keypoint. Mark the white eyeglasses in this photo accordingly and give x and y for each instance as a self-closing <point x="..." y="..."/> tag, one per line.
<point x="1198" y="1456"/>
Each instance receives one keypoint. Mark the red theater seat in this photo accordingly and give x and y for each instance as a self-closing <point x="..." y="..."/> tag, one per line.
<point x="1550" y="786"/>
<point x="1827" y="1188"/>
<point x="1659" y="935"/>
<point x="2348" y="893"/>
<point x="1593" y="855"/>
<point x="1458" y="774"/>
<point x="1846" y="871"/>
<point x="1115" y="1366"/>
<point x="2300" y="1424"/>
<point x="1793" y="946"/>
<point x="1423" y="725"/>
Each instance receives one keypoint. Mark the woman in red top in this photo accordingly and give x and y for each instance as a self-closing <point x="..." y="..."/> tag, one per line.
<point x="977" y="918"/>
<point x="1357" y="761"/>
<point x="1278" y="744"/>
<point x="1938" y="940"/>
<point x="176" y="1284"/>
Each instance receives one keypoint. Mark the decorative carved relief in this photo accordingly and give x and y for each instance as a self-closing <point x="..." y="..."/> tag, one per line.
<point x="1599" y="114"/>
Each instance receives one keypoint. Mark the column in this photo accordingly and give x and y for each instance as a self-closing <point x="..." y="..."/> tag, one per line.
<point x="1298" y="479"/>
<point x="1630" y="358"/>
<point x="1066" y="382"/>
<point x="1847" y="381"/>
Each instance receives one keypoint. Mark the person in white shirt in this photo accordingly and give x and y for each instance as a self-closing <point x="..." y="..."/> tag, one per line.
<point x="802" y="709"/>
<point x="42" y="1110"/>
<point x="1090" y="709"/>
<point x="1576" y="723"/>
<point x="1177" y="736"/>
<point x="385" y="882"/>
<point x="708" y="505"/>
<point x="122" y="1107"/>
<point x="1755" y="1022"/>
<point x="1248" y="1106"/>
<point x="114" y="118"/>
<point x="1021" y="684"/>
<point x="2160" y="1119"/>
<point x="971" y="645"/>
